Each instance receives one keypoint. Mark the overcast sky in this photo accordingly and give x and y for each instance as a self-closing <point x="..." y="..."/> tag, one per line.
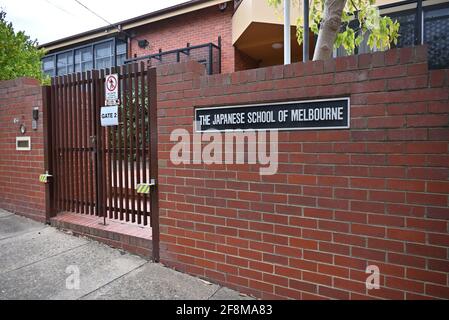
<point x="48" y="20"/>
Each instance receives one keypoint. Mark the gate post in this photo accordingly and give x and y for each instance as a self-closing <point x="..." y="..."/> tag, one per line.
<point x="48" y="143"/>
<point x="98" y="84"/>
<point x="154" y="196"/>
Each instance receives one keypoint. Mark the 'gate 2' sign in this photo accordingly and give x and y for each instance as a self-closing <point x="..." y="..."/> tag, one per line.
<point x="296" y="115"/>
<point x="111" y="89"/>
<point x="109" y="116"/>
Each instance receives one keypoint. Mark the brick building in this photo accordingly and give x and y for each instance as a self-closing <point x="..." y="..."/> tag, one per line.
<point x="231" y="35"/>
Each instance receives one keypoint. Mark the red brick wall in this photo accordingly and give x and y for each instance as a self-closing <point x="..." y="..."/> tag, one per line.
<point x="343" y="199"/>
<point x="20" y="189"/>
<point x="199" y="27"/>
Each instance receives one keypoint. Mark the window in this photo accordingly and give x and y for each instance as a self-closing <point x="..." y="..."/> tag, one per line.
<point x="94" y="56"/>
<point x="103" y="55"/>
<point x="64" y="63"/>
<point x="83" y="59"/>
<point x="436" y="35"/>
<point x="121" y="52"/>
<point x="48" y="66"/>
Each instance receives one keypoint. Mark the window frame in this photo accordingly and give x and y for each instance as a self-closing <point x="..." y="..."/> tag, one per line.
<point x="53" y="58"/>
<point x="67" y="59"/>
<point x="111" y="55"/>
<point x="444" y="5"/>
<point x="81" y="61"/>
<point x="92" y="45"/>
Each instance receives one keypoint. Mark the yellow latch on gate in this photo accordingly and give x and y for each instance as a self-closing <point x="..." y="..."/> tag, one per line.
<point x="144" y="188"/>
<point x="44" y="177"/>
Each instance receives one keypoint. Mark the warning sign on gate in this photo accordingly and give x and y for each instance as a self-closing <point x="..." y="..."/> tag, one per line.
<point x="111" y="89"/>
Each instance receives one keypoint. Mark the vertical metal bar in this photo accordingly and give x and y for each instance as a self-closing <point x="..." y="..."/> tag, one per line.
<point x="154" y="192"/>
<point x="210" y="69"/>
<point x="88" y="143"/>
<point x="73" y="134"/>
<point x="305" y="43"/>
<point x="127" y="91"/>
<point x="419" y="23"/>
<point x="150" y="92"/>
<point x="76" y="176"/>
<point x="64" y="140"/>
<point x="133" y="92"/>
<point x="61" y="140"/>
<point x="93" y="209"/>
<point x="80" y="142"/>
<point x="107" y="164"/>
<point x="219" y="54"/>
<point x="356" y="32"/>
<point x="97" y="146"/>
<point x="55" y="143"/>
<point x="85" y="144"/>
<point x="103" y="151"/>
<point x="137" y="99"/>
<point x="79" y="118"/>
<point x="48" y="148"/>
<point x="145" y="106"/>
<point x="71" y="145"/>
<point x="113" y="156"/>
<point x="122" y="118"/>
<point x="55" y="63"/>
<point x="114" y="53"/>
<point x="66" y="146"/>
<point x="105" y="140"/>
<point x="61" y="154"/>
<point x="93" y="162"/>
<point x="108" y="159"/>
<point x="287" y="33"/>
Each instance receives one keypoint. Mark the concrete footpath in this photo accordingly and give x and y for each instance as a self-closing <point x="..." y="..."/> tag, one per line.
<point x="40" y="262"/>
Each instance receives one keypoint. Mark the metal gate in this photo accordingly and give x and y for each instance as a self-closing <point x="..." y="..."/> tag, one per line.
<point x="95" y="170"/>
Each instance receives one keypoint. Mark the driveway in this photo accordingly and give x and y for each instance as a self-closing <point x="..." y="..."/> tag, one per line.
<point x="40" y="262"/>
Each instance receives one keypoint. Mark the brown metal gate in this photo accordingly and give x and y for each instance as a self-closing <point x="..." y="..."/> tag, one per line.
<point x="95" y="169"/>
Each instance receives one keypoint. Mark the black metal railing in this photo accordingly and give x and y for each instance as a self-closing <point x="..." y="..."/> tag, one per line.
<point x="421" y="22"/>
<point x="424" y="23"/>
<point x="208" y="54"/>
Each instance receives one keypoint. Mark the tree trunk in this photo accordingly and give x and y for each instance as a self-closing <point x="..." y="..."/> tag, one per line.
<point x="330" y="25"/>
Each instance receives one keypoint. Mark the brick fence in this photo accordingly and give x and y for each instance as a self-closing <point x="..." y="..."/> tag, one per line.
<point x="376" y="194"/>
<point x="20" y="190"/>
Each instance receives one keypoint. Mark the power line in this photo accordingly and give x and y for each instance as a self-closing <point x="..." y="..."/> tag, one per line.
<point x="93" y="12"/>
<point x="97" y="15"/>
<point x="58" y="7"/>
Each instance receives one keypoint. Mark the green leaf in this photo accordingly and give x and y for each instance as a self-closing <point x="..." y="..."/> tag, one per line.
<point x="382" y="31"/>
<point x="19" y="55"/>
